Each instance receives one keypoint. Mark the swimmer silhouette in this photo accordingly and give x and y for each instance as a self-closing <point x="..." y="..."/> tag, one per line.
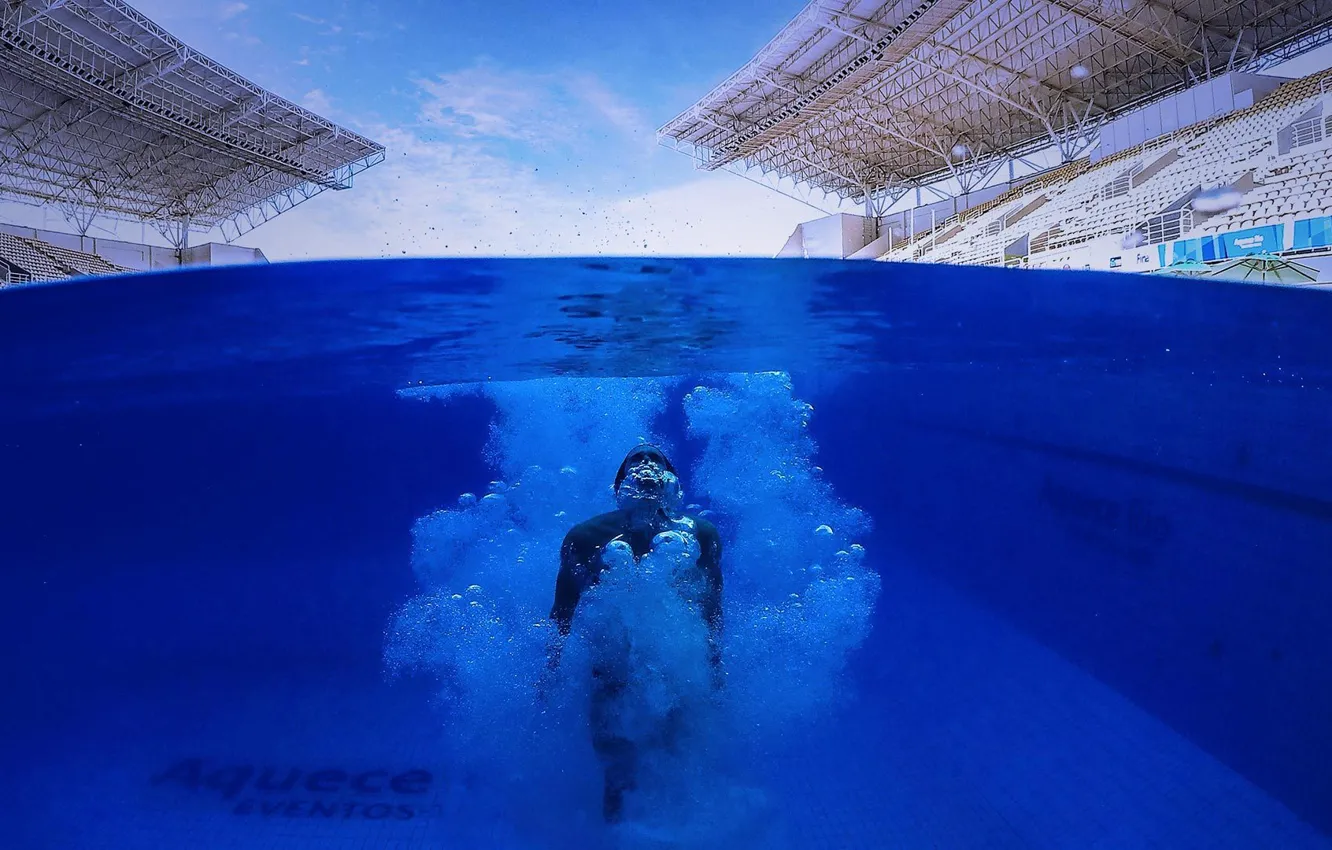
<point x="648" y="494"/>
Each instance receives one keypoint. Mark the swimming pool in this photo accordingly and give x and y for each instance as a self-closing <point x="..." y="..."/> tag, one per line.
<point x="1094" y="512"/>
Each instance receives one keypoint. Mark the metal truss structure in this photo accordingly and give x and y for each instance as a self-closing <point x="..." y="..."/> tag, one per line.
<point x="104" y="112"/>
<point x="866" y="99"/>
<point x="1284" y="53"/>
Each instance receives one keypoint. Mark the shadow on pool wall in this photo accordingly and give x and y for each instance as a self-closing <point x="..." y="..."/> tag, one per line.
<point x="1168" y="535"/>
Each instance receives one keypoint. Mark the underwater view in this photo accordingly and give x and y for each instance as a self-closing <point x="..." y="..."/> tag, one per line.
<point x="429" y="554"/>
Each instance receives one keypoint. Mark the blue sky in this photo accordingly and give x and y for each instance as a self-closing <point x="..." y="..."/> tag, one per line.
<point x="512" y="127"/>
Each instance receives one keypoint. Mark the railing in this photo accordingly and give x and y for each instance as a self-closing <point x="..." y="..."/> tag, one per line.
<point x="1306" y="132"/>
<point x="1122" y="184"/>
<point x="1168" y="226"/>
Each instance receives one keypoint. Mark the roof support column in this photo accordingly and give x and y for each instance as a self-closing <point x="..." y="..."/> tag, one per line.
<point x="176" y="232"/>
<point x="79" y="217"/>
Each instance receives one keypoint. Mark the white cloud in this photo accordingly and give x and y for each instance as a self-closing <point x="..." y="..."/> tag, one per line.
<point x="470" y="107"/>
<point x="243" y="38"/>
<point x="536" y="109"/>
<point x="231" y="10"/>
<point x="617" y="112"/>
<point x="316" y="100"/>
<point x="330" y="28"/>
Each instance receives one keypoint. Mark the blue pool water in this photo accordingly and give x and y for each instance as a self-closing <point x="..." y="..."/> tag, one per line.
<point x="1012" y="559"/>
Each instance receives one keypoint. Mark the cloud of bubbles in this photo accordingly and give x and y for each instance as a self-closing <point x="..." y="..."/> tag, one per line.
<point x="798" y="598"/>
<point x="800" y="595"/>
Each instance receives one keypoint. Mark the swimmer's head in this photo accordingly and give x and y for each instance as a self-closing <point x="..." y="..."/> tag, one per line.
<point x="647" y="482"/>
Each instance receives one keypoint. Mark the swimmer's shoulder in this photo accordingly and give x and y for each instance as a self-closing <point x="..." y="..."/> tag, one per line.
<point x="705" y="531"/>
<point x="597" y="531"/>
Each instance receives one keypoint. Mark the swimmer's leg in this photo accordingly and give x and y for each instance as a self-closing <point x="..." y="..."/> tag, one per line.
<point x="618" y="755"/>
<point x="618" y="758"/>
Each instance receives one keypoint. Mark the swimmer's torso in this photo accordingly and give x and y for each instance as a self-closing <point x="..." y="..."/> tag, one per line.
<point x="581" y="562"/>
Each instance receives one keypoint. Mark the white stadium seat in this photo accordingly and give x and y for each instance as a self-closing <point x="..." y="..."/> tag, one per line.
<point x="1240" y="148"/>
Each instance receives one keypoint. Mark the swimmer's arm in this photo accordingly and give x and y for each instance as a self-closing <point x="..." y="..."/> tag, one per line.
<point x="568" y="589"/>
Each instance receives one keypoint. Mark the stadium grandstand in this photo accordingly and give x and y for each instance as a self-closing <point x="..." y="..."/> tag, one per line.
<point x="1103" y="134"/>
<point x="104" y="113"/>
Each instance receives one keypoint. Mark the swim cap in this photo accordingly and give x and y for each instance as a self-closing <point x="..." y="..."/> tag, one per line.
<point x="643" y="452"/>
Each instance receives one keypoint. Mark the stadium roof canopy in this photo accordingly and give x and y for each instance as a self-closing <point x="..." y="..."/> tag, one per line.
<point x="864" y="99"/>
<point x="103" y="111"/>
